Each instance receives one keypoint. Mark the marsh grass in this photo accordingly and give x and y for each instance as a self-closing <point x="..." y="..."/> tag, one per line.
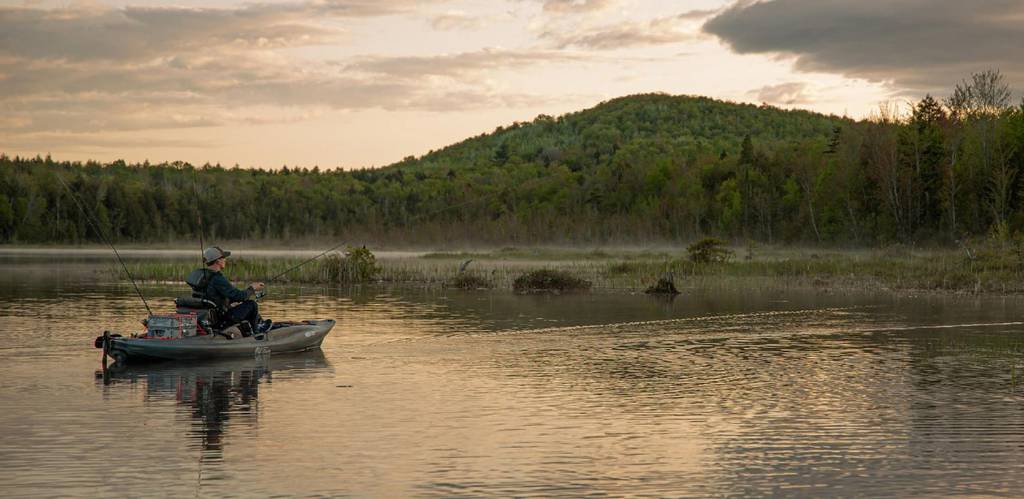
<point x="469" y="280"/>
<point x="929" y="271"/>
<point x="624" y="268"/>
<point x="547" y="254"/>
<point x="987" y="269"/>
<point x="548" y="281"/>
<point x="239" y="270"/>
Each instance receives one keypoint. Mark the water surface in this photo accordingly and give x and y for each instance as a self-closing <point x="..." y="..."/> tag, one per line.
<point x="427" y="393"/>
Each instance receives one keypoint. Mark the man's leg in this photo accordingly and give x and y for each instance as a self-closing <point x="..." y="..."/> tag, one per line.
<point x="248" y="311"/>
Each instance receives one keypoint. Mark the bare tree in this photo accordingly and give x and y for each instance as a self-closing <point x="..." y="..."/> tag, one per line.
<point x="807" y="164"/>
<point x="990" y="98"/>
<point x="1001" y="181"/>
<point x="958" y="104"/>
<point x="882" y="155"/>
<point x="989" y="93"/>
<point x="976" y="105"/>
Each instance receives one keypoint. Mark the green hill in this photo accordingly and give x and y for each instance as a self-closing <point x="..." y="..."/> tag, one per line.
<point x="584" y="139"/>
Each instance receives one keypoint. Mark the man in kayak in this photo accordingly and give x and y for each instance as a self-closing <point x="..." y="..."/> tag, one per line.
<point x="213" y="286"/>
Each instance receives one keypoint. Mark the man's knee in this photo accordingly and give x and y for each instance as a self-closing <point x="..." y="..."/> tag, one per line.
<point x="243" y="310"/>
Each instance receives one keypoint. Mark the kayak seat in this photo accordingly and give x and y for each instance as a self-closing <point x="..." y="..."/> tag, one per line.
<point x="193" y="302"/>
<point x="207" y="312"/>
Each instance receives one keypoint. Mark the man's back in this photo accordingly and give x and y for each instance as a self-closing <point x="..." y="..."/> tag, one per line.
<point x="212" y="285"/>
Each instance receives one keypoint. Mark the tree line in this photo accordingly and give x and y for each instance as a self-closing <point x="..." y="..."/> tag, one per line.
<point x="640" y="168"/>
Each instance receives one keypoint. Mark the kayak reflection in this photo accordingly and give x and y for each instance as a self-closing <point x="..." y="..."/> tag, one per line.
<point x="214" y="394"/>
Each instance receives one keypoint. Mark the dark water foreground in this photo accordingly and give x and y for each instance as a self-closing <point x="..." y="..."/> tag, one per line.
<point x="719" y="392"/>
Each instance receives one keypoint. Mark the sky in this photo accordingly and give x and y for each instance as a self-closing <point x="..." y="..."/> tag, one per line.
<point x="363" y="83"/>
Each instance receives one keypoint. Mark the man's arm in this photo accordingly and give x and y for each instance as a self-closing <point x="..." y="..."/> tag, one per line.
<point x="224" y="288"/>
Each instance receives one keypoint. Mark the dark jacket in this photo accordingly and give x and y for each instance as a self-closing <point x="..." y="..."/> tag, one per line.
<point x="215" y="287"/>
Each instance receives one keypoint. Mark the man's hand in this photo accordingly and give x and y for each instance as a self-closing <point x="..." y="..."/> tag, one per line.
<point x="257" y="286"/>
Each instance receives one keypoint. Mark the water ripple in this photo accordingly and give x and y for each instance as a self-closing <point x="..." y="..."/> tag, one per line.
<point x="468" y="395"/>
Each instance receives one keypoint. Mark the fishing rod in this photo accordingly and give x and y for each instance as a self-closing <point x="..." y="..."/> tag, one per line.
<point x="303" y="263"/>
<point x="95" y="225"/>
<point x="199" y="214"/>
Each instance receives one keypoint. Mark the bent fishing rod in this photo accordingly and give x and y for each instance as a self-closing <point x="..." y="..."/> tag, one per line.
<point x="95" y="225"/>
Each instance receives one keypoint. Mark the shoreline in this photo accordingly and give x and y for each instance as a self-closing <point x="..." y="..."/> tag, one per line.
<point x="176" y="253"/>
<point x="931" y="271"/>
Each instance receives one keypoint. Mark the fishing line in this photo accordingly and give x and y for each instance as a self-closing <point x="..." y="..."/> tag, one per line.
<point x="95" y="225"/>
<point x="684" y="320"/>
<point x="305" y="262"/>
<point x="759" y="315"/>
<point x="938" y="326"/>
<point x="656" y="322"/>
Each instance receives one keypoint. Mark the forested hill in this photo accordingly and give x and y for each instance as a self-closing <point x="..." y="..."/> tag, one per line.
<point x="694" y="126"/>
<point x="634" y="169"/>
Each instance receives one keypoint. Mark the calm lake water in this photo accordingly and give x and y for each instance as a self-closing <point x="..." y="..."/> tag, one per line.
<point x="431" y="393"/>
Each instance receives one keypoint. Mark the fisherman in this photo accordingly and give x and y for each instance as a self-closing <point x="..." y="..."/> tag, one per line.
<point x="210" y="284"/>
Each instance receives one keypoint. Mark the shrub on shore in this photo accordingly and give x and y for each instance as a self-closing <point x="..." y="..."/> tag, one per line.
<point x="549" y="280"/>
<point x="709" y="250"/>
<point x="465" y="280"/>
<point x="358" y="265"/>
<point x="665" y="286"/>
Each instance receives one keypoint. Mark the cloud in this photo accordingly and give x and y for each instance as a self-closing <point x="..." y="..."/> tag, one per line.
<point x="456" y="20"/>
<point x="658" y="31"/>
<point x="63" y="71"/>
<point x="120" y="118"/>
<point x="789" y="94"/>
<point x="576" y="6"/>
<point x="919" y="45"/>
<point x="355" y="8"/>
<point x="140" y="33"/>
<point x="73" y="99"/>
<point x="94" y="142"/>
<point x="456" y="65"/>
<point x="98" y="32"/>
<point x="698" y="14"/>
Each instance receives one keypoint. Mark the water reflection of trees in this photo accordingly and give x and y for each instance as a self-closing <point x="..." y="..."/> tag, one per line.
<point x="213" y="395"/>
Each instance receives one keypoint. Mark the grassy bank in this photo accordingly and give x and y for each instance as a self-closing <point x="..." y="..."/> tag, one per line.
<point x="985" y="270"/>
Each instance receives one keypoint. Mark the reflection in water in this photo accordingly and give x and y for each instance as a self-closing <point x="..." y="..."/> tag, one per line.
<point x="212" y="394"/>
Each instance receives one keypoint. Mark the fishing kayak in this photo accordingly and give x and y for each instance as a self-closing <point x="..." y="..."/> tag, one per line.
<point x="283" y="337"/>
